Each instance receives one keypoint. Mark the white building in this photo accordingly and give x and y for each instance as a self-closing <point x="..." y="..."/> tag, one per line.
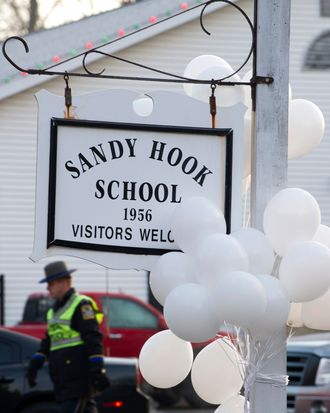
<point x="168" y="46"/>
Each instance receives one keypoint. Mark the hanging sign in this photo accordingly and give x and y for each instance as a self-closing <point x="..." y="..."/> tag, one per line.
<point x="109" y="179"/>
<point x="113" y="186"/>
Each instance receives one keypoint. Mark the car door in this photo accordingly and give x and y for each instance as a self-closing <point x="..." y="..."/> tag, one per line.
<point x="11" y="378"/>
<point x="130" y="325"/>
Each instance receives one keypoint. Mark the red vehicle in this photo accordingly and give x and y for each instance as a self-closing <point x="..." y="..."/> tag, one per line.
<point x="127" y="324"/>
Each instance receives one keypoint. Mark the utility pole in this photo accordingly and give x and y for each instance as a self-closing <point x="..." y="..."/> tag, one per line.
<point x="269" y="159"/>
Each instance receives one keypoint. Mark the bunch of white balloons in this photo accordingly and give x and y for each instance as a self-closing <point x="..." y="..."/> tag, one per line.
<point x="220" y="278"/>
<point x="306" y="121"/>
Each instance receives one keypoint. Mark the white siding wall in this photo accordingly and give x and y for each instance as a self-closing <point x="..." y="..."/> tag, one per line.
<point x="311" y="172"/>
<point x="170" y="51"/>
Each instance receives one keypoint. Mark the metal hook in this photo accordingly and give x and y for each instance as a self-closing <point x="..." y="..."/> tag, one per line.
<point x="213" y="86"/>
<point x="26" y="47"/>
<point x="212" y="101"/>
<point x="67" y="94"/>
<point x="66" y="78"/>
<point x="85" y="66"/>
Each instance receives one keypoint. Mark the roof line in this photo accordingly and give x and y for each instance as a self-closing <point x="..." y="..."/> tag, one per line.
<point x="25" y="82"/>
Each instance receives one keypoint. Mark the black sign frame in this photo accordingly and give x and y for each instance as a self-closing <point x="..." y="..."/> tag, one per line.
<point x="55" y="123"/>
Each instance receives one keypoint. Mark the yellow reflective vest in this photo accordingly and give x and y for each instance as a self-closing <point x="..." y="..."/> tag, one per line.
<point x="59" y="323"/>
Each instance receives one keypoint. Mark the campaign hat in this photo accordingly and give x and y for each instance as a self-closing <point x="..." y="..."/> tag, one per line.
<point x="56" y="270"/>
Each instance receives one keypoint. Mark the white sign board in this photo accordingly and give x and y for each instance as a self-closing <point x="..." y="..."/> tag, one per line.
<point x="109" y="180"/>
<point x="114" y="186"/>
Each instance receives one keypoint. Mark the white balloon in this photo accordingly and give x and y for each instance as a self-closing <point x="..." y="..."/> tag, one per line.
<point x="323" y="235"/>
<point x="258" y="248"/>
<point x="218" y="255"/>
<point x="240" y="298"/>
<point x="143" y="106"/>
<point x="291" y="216"/>
<point x="216" y="372"/>
<point x="193" y="219"/>
<point x="169" y="271"/>
<point x="190" y="313"/>
<point x="294" y="317"/>
<point x="225" y="95"/>
<point x="235" y="404"/>
<point x="165" y="360"/>
<point x="277" y="309"/>
<point x="306" y="127"/>
<point x="305" y="271"/>
<point x="315" y="314"/>
<point x="200" y="63"/>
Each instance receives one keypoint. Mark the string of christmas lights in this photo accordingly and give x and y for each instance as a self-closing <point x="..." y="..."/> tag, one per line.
<point x="121" y="32"/>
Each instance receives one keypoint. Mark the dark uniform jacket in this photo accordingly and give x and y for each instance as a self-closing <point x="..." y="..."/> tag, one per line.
<point x="69" y="367"/>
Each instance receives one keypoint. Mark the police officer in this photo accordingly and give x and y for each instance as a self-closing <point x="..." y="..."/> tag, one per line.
<point x="72" y="345"/>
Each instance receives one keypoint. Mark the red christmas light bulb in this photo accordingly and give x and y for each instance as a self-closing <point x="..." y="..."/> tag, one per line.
<point x="89" y="45"/>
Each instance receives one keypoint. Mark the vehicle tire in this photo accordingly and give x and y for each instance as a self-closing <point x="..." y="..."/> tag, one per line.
<point x="162" y="397"/>
<point x="192" y="397"/>
<point x="41" y="407"/>
<point x="196" y="402"/>
<point x="167" y="398"/>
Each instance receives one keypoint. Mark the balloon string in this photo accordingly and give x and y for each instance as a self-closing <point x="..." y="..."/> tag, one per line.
<point x="276" y="266"/>
<point x="273" y="379"/>
<point x="252" y="356"/>
<point x="246" y="212"/>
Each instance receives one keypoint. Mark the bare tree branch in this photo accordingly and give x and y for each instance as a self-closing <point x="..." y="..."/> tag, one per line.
<point x="17" y="11"/>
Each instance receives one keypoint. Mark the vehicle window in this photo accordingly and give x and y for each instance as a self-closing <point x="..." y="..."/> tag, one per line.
<point x="125" y="313"/>
<point x="9" y="352"/>
<point x="36" y="309"/>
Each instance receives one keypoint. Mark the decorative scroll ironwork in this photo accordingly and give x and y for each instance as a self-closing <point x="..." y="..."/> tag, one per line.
<point x="167" y="76"/>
